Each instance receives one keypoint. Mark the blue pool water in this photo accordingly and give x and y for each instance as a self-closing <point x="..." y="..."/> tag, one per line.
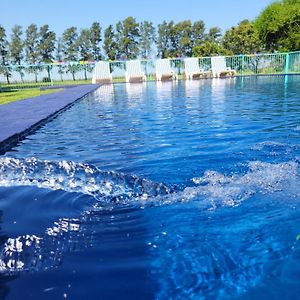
<point x="186" y="190"/>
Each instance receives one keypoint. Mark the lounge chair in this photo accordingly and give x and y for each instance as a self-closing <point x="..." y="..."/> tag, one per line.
<point x="219" y="68"/>
<point x="134" y="71"/>
<point x="192" y="69"/>
<point x="163" y="70"/>
<point x="102" y="73"/>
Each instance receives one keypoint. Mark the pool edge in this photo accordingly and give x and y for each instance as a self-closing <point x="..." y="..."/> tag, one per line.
<point x="75" y="94"/>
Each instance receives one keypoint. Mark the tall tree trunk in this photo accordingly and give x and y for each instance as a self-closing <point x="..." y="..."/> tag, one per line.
<point x="20" y="71"/>
<point x="35" y="75"/>
<point x="85" y="75"/>
<point x="7" y="77"/>
<point x="48" y="71"/>
<point x="6" y="70"/>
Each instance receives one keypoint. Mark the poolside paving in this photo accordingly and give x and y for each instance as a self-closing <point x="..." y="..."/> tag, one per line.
<point x="19" y="118"/>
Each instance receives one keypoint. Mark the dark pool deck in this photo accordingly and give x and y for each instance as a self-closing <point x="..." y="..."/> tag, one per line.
<point x="19" y="118"/>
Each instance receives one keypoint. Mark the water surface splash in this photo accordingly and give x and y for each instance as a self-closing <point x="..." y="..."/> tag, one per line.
<point x="113" y="187"/>
<point x="213" y="189"/>
<point x="79" y="178"/>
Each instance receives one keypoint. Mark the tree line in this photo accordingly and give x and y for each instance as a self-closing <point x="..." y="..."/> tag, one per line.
<point x="277" y="28"/>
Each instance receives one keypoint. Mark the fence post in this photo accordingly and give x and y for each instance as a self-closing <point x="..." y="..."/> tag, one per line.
<point x="243" y="63"/>
<point x="287" y="63"/>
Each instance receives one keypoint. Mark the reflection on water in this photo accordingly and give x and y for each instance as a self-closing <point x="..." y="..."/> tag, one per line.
<point x="164" y="90"/>
<point x="105" y="93"/>
<point x="219" y="87"/>
<point x="192" y="87"/>
<point x="135" y="90"/>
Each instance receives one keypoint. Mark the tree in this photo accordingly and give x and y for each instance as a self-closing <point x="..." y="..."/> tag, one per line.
<point x="84" y="45"/>
<point x="209" y="49"/>
<point x="214" y="35"/>
<point x="279" y="26"/>
<point x="70" y="45"/>
<point x="242" y="39"/>
<point x="198" y="33"/>
<point x="110" y="45"/>
<point x="163" y="41"/>
<point x="147" y="32"/>
<point x="128" y="36"/>
<point x="59" y="56"/>
<point x="46" y="47"/>
<point x="85" y="48"/>
<point x="4" y="54"/>
<point x="173" y="38"/>
<point x="16" y="45"/>
<point x="16" y="51"/>
<point x="46" y="44"/>
<point x="95" y="38"/>
<point x="59" y="50"/>
<point x="183" y="33"/>
<point x="31" y="48"/>
<point x="32" y="44"/>
<point x="70" y="48"/>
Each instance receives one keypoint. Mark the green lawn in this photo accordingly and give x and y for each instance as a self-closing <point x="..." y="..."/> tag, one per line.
<point x="11" y="96"/>
<point x="32" y="85"/>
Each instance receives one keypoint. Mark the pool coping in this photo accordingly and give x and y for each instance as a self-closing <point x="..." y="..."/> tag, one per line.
<point x="20" y="118"/>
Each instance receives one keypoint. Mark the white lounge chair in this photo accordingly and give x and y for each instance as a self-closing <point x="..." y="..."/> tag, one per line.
<point x="219" y="68"/>
<point x="134" y="71"/>
<point x="192" y="69"/>
<point x="102" y="73"/>
<point x="163" y="70"/>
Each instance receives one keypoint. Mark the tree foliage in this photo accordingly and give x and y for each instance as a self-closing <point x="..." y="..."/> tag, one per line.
<point x="32" y="44"/>
<point x="3" y="46"/>
<point x="183" y="33"/>
<point x="198" y="33"/>
<point x="110" y="45"/>
<point x="95" y="39"/>
<point x="84" y="44"/>
<point x="163" y="41"/>
<point x="214" y="35"/>
<point x="279" y="26"/>
<point x="128" y="36"/>
<point x="147" y="33"/>
<point x="16" y="45"/>
<point x="4" y="53"/>
<point x="179" y="39"/>
<point x="242" y="39"/>
<point x="209" y="48"/>
<point x="46" y="46"/>
<point x="70" y="45"/>
<point x="59" y="50"/>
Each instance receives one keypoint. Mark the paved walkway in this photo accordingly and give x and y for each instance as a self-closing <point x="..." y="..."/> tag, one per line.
<point x="19" y="118"/>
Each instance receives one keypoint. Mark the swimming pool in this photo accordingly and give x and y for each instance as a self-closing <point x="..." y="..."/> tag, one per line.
<point x="173" y="190"/>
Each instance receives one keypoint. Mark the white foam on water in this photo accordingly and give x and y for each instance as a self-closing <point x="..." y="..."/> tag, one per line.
<point x="77" y="177"/>
<point x="113" y="187"/>
<point x="269" y="144"/>
<point x="212" y="190"/>
<point x="297" y="128"/>
<point x="218" y="189"/>
<point x="261" y="177"/>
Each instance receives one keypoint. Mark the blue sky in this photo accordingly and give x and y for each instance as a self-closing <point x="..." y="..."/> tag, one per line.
<point x="61" y="14"/>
